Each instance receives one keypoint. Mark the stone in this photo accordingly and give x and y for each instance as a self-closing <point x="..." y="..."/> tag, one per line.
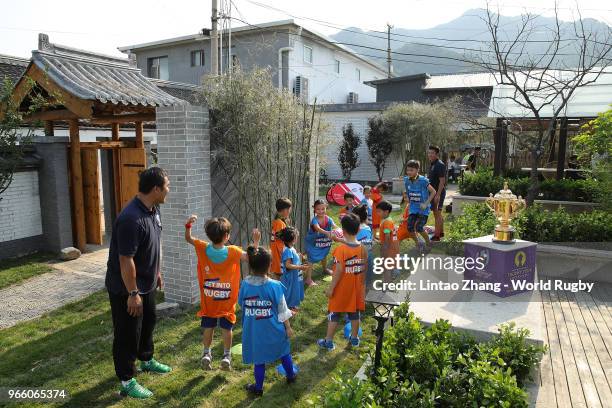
<point x="165" y="309"/>
<point x="69" y="254"/>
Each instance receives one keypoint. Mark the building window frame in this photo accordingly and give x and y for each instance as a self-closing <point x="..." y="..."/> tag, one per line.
<point x="308" y="50"/>
<point x="337" y="66"/>
<point x="358" y="74"/>
<point x="157" y="63"/>
<point x="198" y="58"/>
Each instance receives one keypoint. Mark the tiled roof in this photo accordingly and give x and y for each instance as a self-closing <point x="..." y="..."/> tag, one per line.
<point x="12" y="68"/>
<point x="187" y="92"/>
<point x="97" y="77"/>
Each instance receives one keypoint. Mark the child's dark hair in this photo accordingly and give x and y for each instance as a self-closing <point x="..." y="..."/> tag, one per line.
<point x="413" y="164"/>
<point x="216" y="228"/>
<point x="367" y="188"/>
<point x="385" y="206"/>
<point x="382" y="186"/>
<point x="350" y="223"/>
<point x="287" y="234"/>
<point x="259" y="260"/>
<point x="318" y="202"/>
<point x="452" y="157"/>
<point x="434" y="148"/>
<point x="283" y="203"/>
<point x="362" y="212"/>
<point x="348" y="195"/>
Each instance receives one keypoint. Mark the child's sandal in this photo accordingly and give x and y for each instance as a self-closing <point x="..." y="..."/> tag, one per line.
<point x="252" y="389"/>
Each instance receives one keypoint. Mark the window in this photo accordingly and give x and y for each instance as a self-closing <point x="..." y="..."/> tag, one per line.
<point x="197" y="58"/>
<point x="308" y="54"/>
<point x="336" y="66"/>
<point x="358" y="74"/>
<point x="235" y="61"/>
<point x="158" y="68"/>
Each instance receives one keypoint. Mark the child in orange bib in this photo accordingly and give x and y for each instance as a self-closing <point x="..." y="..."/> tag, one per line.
<point x="283" y="209"/>
<point x="389" y="245"/>
<point x="377" y="197"/>
<point x="219" y="283"/>
<point x="347" y="290"/>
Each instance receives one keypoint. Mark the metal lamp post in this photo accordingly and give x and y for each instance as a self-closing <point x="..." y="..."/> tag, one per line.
<point x="383" y="304"/>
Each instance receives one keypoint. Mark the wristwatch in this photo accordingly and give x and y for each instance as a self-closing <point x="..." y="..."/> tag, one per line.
<point x="133" y="292"/>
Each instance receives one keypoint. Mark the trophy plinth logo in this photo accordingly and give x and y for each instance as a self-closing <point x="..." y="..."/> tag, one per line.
<point x="505" y="206"/>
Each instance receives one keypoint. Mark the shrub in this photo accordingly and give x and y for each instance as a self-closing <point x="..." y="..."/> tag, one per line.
<point x="539" y="225"/>
<point x="438" y="367"/>
<point x="482" y="183"/>
<point x="532" y="224"/>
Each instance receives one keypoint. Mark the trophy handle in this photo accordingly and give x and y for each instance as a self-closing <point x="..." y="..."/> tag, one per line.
<point x="490" y="202"/>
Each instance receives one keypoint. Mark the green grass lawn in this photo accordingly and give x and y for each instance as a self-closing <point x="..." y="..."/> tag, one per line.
<point x="18" y="269"/>
<point x="71" y="348"/>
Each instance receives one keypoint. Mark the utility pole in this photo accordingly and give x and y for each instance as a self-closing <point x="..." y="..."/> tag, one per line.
<point x="389" y="68"/>
<point x="214" y="45"/>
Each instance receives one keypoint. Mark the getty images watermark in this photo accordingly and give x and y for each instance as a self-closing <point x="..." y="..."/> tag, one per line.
<point x="403" y="265"/>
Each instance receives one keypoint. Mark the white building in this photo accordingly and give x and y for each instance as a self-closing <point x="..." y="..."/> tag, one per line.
<point x="311" y="64"/>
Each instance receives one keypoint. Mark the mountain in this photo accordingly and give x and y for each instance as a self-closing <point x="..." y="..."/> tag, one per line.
<point x="436" y="50"/>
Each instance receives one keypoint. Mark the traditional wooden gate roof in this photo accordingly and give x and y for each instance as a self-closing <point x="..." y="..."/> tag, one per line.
<point x="90" y="85"/>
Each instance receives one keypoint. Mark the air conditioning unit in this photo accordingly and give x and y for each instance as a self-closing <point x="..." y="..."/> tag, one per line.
<point x="301" y="88"/>
<point x="353" y="97"/>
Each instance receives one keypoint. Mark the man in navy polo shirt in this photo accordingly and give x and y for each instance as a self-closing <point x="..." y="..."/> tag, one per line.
<point x="437" y="178"/>
<point x="132" y="276"/>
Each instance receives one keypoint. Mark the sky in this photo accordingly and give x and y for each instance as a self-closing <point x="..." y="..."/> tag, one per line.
<point x="104" y="26"/>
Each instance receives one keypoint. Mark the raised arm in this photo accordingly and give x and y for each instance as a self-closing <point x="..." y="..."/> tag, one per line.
<point x="190" y="221"/>
<point x="255" y="237"/>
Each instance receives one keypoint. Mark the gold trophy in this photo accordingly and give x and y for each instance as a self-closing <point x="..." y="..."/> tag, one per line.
<point x="505" y="206"/>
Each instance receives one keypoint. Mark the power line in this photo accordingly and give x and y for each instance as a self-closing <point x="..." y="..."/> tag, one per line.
<point x="407" y="54"/>
<point x="339" y="27"/>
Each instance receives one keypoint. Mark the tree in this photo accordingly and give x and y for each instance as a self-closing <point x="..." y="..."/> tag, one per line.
<point x="412" y="127"/>
<point x="14" y="134"/>
<point x="541" y="85"/>
<point x="263" y="146"/>
<point x="348" y="157"/>
<point x="595" y="138"/>
<point x="379" y="144"/>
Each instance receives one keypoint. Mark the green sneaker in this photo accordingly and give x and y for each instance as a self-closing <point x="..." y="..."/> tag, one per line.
<point x="135" y="390"/>
<point x="154" y="366"/>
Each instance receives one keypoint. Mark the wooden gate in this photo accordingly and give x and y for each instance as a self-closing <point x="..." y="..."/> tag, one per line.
<point x="131" y="162"/>
<point x="91" y="196"/>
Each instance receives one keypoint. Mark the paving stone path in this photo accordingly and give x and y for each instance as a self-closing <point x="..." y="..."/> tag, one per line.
<point x="70" y="281"/>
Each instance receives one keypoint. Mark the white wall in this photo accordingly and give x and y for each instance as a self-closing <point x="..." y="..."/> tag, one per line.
<point x="366" y="170"/>
<point x="20" y="208"/>
<point x="90" y="134"/>
<point x="324" y="83"/>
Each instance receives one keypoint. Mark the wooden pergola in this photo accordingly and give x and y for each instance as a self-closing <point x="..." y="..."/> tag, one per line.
<point x="561" y="125"/>
<point x="82" y="88"/>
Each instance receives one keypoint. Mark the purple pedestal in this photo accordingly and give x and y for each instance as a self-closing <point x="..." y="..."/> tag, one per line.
<point x="504" y="263"/>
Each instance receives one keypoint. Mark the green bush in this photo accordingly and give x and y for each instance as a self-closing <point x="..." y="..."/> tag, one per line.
<point x="482" y="183"/>
<point x="532" y="224"/>
<point x="539" y="225"/>
<point x="438" y="367"/>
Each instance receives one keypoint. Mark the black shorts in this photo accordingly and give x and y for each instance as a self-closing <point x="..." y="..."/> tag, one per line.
<point x="416" y="222"/>
<point x="335" y="316"/>
<point x="212" y="322"/>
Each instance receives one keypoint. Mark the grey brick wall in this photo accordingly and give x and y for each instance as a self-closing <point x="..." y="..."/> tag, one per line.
<point x="365" y="172"/>
<point x="20" y="247"/>
<point x="20" y="207"/>
<point x="54" y="192"/>
<point x="183" y="147"/>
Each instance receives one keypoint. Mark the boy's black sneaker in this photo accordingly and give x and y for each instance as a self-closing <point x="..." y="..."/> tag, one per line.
<point x="292" y="379"/>
<point x="252" y="389"/>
